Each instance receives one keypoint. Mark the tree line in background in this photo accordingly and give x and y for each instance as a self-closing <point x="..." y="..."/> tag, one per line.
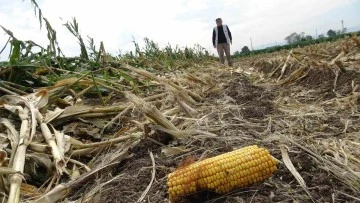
<point x="296" y="40"/>
<point x="295" y="37"/>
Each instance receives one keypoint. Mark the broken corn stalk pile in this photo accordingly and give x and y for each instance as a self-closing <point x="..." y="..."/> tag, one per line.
<point x="223" y="173"/>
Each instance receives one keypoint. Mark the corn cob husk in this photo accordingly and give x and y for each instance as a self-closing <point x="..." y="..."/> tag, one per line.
<point x="223" y="173"/>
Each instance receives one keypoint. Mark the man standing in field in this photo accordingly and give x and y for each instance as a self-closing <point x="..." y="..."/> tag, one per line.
<point x="221" y="40"/>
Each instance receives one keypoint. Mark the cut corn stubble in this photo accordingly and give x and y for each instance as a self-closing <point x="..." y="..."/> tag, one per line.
<point x="223" y="173"/>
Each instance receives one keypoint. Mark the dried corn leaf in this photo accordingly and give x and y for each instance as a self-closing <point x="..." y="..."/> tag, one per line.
<point x="169" y="151"/>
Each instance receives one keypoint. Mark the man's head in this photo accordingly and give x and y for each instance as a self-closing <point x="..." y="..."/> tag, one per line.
<point x="218" y="21"/>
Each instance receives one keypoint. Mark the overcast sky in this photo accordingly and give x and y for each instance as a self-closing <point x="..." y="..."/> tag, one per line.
<point x="182" y="22"/>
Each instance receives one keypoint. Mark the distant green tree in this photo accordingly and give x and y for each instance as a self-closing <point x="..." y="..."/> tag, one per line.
<point x="288" y="40"/>
<point x="321" y="36"/>
<point x="302" y="35"/>
<point x="293" y="38"/>
<point x="308" y="37"/>
<point x="245" y="49"/>
<point x="344" y="30"/>
<point x="331" y="33"/>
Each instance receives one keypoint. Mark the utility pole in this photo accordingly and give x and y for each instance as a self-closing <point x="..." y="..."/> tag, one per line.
<point x="316" y="35"/>
<point x="252" y="48"/>
<point x="342" y="25"/>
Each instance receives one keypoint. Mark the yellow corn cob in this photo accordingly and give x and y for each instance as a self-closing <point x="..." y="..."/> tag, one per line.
<point x="222" y="173"/>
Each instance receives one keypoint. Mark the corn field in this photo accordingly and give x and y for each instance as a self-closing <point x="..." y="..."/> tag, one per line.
<point x="144" y="126"/>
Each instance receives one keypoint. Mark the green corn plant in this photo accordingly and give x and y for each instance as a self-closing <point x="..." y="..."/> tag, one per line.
<point x="151" y="48"/>
<point x="137" y="49"/>
<point x="7" y="42"/>
<point x="92" y="47"/>
<point x="53" y="48"/>
<point x="169" y="50"/>
<point x="37" y="11"/>
<point x="15" y="52"/>
<point x="74" y="29"/>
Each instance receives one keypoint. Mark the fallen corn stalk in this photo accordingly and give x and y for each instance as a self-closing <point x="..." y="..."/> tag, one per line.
<point x="27" y="107"/>
<point x="165" y="82"/>
<point x="154" y="113"/>
<point x="61" y="191"/>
